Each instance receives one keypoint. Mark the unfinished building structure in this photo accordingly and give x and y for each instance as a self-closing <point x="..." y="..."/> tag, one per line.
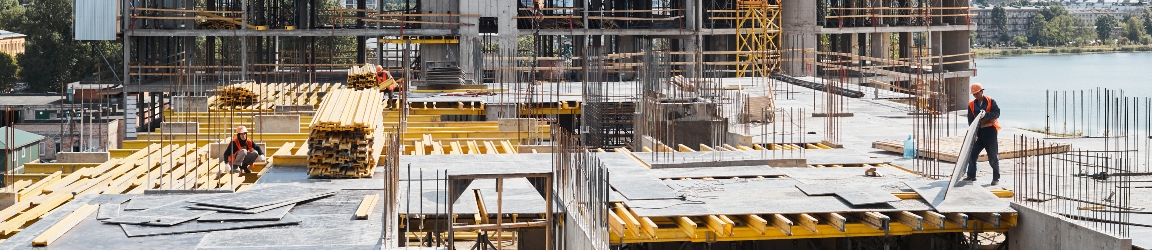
<point x="555" y="124"/>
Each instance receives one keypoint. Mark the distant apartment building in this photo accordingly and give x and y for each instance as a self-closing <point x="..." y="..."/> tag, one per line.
<point x="1019" y="19"/>
<point x="11" y="42"/>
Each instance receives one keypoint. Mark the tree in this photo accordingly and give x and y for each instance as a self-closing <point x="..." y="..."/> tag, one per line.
<point x="8" y="71"/>
<point x="10" y="11"/>
<point x="1063" y="30"/>
<point x="1147" y="16"/>
<point x="1104" y="25"/>
<point x="1133" y="29"/>
<point x="51" y="55"/>
<point x="1000" y="22"/>
<point x="1036" y="30"/>
<point x="1052" y="11"/>
<point x="1020" y="41"/>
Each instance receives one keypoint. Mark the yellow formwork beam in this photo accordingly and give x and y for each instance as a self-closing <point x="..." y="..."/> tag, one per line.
<point x="748" y="233"/>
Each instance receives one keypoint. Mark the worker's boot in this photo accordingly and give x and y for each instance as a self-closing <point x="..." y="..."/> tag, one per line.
<point x="246" y="169"/>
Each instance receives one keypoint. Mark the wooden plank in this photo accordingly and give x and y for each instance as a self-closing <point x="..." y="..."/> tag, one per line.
<point x="756" y="223"/>
<point x="958" y="219"/>
<point x="490" y="227"/>
<point x="631" y="223"/>
<point x="808" y="222"/>
<point x="909" y="219"/>
<point x="366" y="206"/>
<point x="782" y="223"/>
<point x="989" y="218"/>
<point x="686" y="224"/>
<point x="705" y="148"/>
<point x="933" y="218"/>
<point x="490" y="148"/>
<point x="64" y="225"/>
<point x="616" y="224"/>
<point x="684" y="148"/>
<point x="38" y="187"/>
<point x="648" y="226"/>
<point x="721" y="227"/>
<point x="836" y="220"/>
<point x="875" y="220"/>
<point x="481" y="211"/>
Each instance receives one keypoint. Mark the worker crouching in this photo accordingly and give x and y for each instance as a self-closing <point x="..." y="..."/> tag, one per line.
<point x="242" y="152"/>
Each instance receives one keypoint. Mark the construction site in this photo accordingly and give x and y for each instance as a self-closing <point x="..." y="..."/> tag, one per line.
<point x="587" y="124"/>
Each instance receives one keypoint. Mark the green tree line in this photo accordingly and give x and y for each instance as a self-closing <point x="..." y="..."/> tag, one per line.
<point x="52" y="56"/>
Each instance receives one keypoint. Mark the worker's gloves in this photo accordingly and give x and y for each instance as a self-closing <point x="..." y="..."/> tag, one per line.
<point x="262" y="158"/>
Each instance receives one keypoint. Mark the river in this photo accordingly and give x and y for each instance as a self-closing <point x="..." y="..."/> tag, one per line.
<point x="1018" y="83"/>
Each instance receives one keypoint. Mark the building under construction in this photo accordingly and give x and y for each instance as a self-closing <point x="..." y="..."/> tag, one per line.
<point x="587" y="124"/>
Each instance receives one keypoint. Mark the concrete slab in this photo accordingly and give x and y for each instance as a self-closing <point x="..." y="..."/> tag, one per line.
<point x="736" y="171"/>
<point x="270" y="215"/>
<point x="190" y="103"/>
<point x="965" y="197"/>
<point x="243" y="211"/>
<point x="856" y="195"/>
<point x="196" y="226"/>
<point x="276" y="124"/>
<point x="82" y="157"/>
<point x="107" y="211"/>
<point x="264" y="196"/>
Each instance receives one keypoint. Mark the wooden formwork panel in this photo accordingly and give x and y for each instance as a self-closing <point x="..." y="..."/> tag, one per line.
<point x="949" y="149"/>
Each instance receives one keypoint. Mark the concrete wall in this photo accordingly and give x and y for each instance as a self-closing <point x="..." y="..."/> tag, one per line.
<point x="180" y="127"/>
<point x="1040" y="230"/>
<point x="82" y="157"/>
<point x="190" y="103"/>
<point x="277" y="124"/>
<point x="798" y="22"/>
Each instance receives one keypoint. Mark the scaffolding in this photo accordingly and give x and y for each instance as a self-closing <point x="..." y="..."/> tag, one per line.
<point x="757" y="38"/>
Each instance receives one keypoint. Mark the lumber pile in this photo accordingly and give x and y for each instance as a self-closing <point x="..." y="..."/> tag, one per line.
<point x="236" y="97"/>
<point x="949" y="149"/>
<point x="215" y="25"/>
<point x="270" y="95"/>
<point x="363" y="77"/>
<point x="347" y="136"/>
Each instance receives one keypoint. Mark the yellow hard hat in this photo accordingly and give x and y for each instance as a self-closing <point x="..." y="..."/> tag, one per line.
<point x="241" y="130"/>
<point x="976" y="87"/>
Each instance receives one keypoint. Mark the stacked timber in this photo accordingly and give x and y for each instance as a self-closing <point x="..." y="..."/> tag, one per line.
<point x="236" y="96"/>
<point x="450" y="75"/>
<point x="347" y="137"/>
<point x="362" y="77"/>
<point x="215" y="25"/>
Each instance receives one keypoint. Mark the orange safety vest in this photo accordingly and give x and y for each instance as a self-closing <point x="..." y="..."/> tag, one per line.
<point x="987" y="108"/>
<point x="232" y="158"/>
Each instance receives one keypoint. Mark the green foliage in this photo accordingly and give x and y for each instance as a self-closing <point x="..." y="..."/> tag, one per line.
<point x="1020" y="41"/>
<point x="52" y="57"/>
<point x="1104" y="25"/>
<point x="1036" y="30"/>
<point x="10" y="11"/>
<point x="1053" y="10"/>
<point x="1147" y="18"/>
<point x="1000" y="22"/>
<point x="8" y="71"/>
<point x="1133" y="29"/>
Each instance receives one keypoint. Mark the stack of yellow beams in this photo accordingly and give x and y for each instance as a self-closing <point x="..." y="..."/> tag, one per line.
<point x="272" y="94"/>
<point x="236" y="97"/>
<point x="347" y="136"/>
<point x="362" y="77"/>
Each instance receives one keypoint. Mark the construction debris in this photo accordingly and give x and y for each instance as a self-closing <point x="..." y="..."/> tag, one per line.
<point x="343" y="142"/>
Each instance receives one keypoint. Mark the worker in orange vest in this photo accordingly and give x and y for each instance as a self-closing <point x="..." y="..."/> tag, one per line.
<point x="242" y="152"/>
<point x="391" y="89"/>
<point x="986" y="133"/>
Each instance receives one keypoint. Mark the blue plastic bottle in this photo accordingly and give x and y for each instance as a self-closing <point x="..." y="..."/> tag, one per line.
<point x="909" y="148"/>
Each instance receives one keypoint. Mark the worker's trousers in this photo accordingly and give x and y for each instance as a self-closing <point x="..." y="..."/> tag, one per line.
<point x="244" y="158"/>
<point x="985" y="140"/>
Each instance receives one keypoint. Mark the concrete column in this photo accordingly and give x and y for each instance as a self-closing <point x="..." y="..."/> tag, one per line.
<point x="506" y="20"/>
<point x="881" y="44"/>
<point x="955" y="43"/>
<point x="690" y="44"/>
<point x="798" y="20"/>
<point x="935" y="40"/>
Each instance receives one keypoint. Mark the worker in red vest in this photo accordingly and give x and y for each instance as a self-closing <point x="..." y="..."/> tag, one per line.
<point x="242" y="152"/>
<point x="383" y="75"/>
<point x="986" y="133"/>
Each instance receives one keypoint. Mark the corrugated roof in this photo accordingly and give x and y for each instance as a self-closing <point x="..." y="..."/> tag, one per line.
<point x="21" y="100"/>
<point x="4" y="34"/>
<point x="22" y="138"/>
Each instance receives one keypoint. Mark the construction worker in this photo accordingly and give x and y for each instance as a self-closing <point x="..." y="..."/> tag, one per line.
<point x="242" y="152"/>
<point x="986" y="133"/>
<point x="381" y="76"/>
